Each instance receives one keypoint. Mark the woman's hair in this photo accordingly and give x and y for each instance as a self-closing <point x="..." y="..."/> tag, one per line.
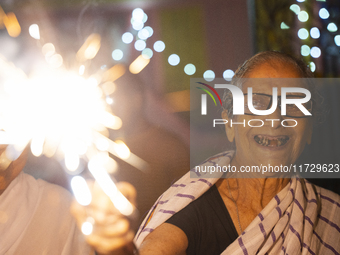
<point x="273" y="57"/>
<point x="270" y="57"/>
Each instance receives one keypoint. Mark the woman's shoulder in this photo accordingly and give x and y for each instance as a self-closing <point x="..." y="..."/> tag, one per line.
<point x="329" y="201"/>
<point x="325" y="194"/>
<point x="329" y="197"/>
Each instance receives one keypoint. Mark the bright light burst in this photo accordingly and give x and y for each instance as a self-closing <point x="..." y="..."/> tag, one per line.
<point x="66" y="114"/>
<point x="62" y="113"/>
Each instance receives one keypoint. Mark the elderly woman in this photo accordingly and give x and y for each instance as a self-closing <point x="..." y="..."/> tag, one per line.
<point x="249" y="215"/>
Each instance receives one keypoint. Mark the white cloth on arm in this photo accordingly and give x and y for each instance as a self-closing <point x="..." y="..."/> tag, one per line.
<point x="35" y="219"/>
<point x="301" y="219"/>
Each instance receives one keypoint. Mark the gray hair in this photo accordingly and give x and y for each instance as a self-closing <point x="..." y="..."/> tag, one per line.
<point x="270" y="57"/>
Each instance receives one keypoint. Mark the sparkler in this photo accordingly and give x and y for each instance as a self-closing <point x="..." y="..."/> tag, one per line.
<point x="61" y="113"/>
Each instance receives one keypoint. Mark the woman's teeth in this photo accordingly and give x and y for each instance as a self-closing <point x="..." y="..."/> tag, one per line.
<point x="270" y="141"/>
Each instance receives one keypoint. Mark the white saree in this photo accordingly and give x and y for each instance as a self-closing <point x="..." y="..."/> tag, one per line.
<point x="35" y="219"/>
<point x="301" y="219"/>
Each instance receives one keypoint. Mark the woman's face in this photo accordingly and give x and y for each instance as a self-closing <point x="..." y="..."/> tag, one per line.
<point x="272" y="143"/>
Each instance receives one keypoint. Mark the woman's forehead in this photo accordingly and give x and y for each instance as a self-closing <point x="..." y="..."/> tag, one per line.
<point x="274" y="69"/>
<point x="266" y="85"/>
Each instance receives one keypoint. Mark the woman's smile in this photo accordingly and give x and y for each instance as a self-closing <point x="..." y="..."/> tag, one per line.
<point x="271" y="141"/>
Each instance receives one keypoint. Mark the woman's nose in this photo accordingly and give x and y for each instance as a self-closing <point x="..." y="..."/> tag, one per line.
<point x="274" y="119"/>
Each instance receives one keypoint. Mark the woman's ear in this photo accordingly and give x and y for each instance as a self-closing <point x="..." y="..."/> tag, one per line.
<point x="228" y="129"/>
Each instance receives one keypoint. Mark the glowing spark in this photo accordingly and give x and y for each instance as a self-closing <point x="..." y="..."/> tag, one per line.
<point x="12" y="25"/>
<point x="87" y="227"/>
<point x="48" y="49"/>
<point x="34" y="31"/>
<point x="90" y="48"/>
<point x="122" y="150"/>
<point x="81" y="191"/>
<point x="100" y="174"/>
<point x="138" y="64"/>
<point x="81" y="70"/>
<point x="114" y="73"/>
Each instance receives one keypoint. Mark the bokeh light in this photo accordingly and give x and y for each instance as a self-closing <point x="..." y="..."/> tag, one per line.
<point x="137" y="25"/>
<point x="48" y="49"/>
<point x="284" y="25"/>
<point x="117" y="54"/>
<point x="228" y="74"/>
<point x="127" y="37"/>
<point x="33" y="30"/>
<point x="312" y="66"/>
<point x="190" y="69"/>
<point x="87" y="228"/>
<point x="138" y="14"/>
<point x="140" y="45"/>
<point x="150" y="30"/>
<point x="295" y="8"/>
<point x="303" y="16"/>
<point x="305" y="50"/>
<point x="315" y="52"/>
<point x="303" y="33"/>
<point x="332" y="27"/>
<point x="55" y="60"/>
<point x="209" y="75"/>
<point x="323" y="13"/>
<point x="337" y="40"/>
<point x="174" y="59"/>
<point x="147" y="53"/>
<point x="315" y="33"/>
<point x="159" y="46"/>
<point x="143" y="34"/>
<point x="145" y="18"/>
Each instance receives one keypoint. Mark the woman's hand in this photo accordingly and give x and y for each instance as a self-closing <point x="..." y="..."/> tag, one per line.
<point x="112" y="232"/>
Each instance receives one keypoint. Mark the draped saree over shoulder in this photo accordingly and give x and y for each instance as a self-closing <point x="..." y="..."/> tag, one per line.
<point x="301" y="219"/>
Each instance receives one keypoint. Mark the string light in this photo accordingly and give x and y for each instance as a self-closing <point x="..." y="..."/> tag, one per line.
<point x="305" y="50"/>
<point x="303" y="16"/>
<point x="337" y="40"/>
<point x="295" y="8"/>
<point x="138" y="19"/>
<point x="228" y="74"/>
<point x="303" y="33"/>
<point x="323" y="13"/>
<point x="117" y="54"/>
<point x="312" y="66"/>
<point x="127" y="37"/>
<point x="332" y="27"/>
<point x="315" y="52"/>
<point x="140" y="45"/>
<point x="284" y="25"/>
<point x="190" y="69"/>
<point x="315" y="33"/>
<point x="159" y="46"/>
<point x="147" y="53"/>
<point x="174" y="59"/>
<point x="209" y="75"/>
